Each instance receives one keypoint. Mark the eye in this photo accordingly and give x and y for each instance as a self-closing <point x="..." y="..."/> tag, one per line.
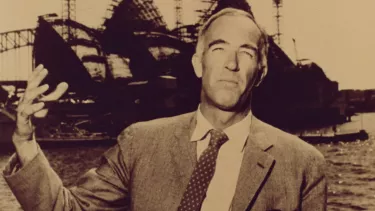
<point x="249" y="53"/>
<point x="219" y="48"/>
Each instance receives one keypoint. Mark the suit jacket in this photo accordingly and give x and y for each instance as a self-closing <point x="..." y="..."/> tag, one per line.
<point x="151" y="164"/>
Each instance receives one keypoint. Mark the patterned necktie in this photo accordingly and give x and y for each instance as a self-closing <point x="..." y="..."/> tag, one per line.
<point x="202" y="174"/>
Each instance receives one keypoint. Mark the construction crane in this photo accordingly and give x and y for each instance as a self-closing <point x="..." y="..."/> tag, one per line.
<point x="68" y="13"/>
<point x="298" y="59"/>
<point x="296" y="52"/>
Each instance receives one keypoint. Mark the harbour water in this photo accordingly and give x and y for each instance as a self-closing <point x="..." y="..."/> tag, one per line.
<point x="350" y="167"/>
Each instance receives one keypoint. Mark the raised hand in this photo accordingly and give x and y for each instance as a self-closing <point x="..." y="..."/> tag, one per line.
<point x="33" y="103"/>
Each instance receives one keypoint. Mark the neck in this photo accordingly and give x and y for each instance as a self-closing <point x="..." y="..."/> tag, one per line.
<point x="221" y="119"/>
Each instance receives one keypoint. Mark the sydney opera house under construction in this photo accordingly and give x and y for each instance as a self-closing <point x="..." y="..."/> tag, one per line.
<point x="134" y="68"/>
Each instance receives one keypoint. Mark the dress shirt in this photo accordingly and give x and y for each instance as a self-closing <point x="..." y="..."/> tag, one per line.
<point x="223" y="184"/>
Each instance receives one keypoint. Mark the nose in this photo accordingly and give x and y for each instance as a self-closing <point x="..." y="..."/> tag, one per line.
<point x="232" y="62"/>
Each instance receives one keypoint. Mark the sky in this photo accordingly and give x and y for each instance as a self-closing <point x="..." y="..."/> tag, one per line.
<point x="338" y="35"/>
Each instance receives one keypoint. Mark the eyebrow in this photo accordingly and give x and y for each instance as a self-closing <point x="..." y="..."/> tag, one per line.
<point x="249" y="46"/>
<point x="215" y="42"/>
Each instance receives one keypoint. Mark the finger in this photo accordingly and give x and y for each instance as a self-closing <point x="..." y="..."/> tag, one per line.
<point x="31" y="94"/>
<point x="35" y="72"/>
<point x="57" y="93"/>
<point x="25" y="111"/>
<point x="42" y="113"/>
<point x="37" y="79"/>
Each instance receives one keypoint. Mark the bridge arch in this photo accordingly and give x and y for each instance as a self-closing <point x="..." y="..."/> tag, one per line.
<point x="16" y="39"/>
<point x="16" y="60"/>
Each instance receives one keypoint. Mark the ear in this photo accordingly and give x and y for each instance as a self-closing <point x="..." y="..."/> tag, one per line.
<point x="197" y="65"/>
<point x="263" y="72"/>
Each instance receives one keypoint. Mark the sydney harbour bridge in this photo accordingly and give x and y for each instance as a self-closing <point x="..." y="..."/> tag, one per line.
<point x="134" y="61"/>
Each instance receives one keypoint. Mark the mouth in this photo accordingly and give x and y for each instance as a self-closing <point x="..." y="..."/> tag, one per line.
<point x="228" y="83"/>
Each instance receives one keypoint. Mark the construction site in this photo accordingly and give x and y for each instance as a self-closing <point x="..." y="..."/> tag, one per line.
<point x="133" y="68"/>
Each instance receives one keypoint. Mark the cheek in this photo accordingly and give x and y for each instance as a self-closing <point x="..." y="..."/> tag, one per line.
<point x="211" y="67"/>
<point x="248" y="63"/>
<point x="207" y="76"/>
<point x="249" y="76"/>
<point x="213" y="62"/>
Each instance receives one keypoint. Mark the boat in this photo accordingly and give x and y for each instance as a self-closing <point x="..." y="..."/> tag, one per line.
<point x="335" y="138"/>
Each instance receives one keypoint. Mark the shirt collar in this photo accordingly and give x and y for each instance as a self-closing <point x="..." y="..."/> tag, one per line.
<point x="237" y="132"/>
<point x="202" y="127"/>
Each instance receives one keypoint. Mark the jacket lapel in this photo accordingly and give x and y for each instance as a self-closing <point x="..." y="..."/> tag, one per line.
<point x="256" y="166"/>
<point x="185" y="151"/>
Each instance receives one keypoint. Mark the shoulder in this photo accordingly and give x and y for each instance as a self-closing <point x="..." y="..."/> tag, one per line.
<point x="288" y="145"/>
<point x="156" y="127"/>
<point x="145" y="137"/>
<point x="299" y="161"/>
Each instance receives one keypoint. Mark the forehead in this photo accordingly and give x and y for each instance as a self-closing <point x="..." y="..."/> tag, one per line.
<point x="233" y="29"/>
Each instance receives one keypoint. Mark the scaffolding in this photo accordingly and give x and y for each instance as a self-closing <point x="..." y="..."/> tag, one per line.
<point x="278" y="5"/>
<point x="178" y="11"/>
<point x="204" y="14"/>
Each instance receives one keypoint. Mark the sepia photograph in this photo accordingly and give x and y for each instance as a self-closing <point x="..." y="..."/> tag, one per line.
<point x="187" y="105"/>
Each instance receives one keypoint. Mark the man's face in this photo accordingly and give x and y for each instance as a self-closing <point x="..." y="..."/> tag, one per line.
<point x="229" y="64"/>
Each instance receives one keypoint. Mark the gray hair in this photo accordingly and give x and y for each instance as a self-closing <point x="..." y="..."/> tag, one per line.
<point x="262" y="45"/>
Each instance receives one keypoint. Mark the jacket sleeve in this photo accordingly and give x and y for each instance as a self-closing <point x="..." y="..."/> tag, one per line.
<point x="314" y="193"/>
<point x="37" y="187"/>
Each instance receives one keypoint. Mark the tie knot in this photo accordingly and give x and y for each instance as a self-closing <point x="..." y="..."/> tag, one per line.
<point x="218" y="138"/>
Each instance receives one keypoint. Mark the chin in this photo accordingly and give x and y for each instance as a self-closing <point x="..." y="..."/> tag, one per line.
<point x="226" y="100"/>
<point x="227" y="104"/>
<point x="227" y="108"/>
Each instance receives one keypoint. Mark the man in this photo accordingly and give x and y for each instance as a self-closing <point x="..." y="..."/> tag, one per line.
<point x="220" y="157"/>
